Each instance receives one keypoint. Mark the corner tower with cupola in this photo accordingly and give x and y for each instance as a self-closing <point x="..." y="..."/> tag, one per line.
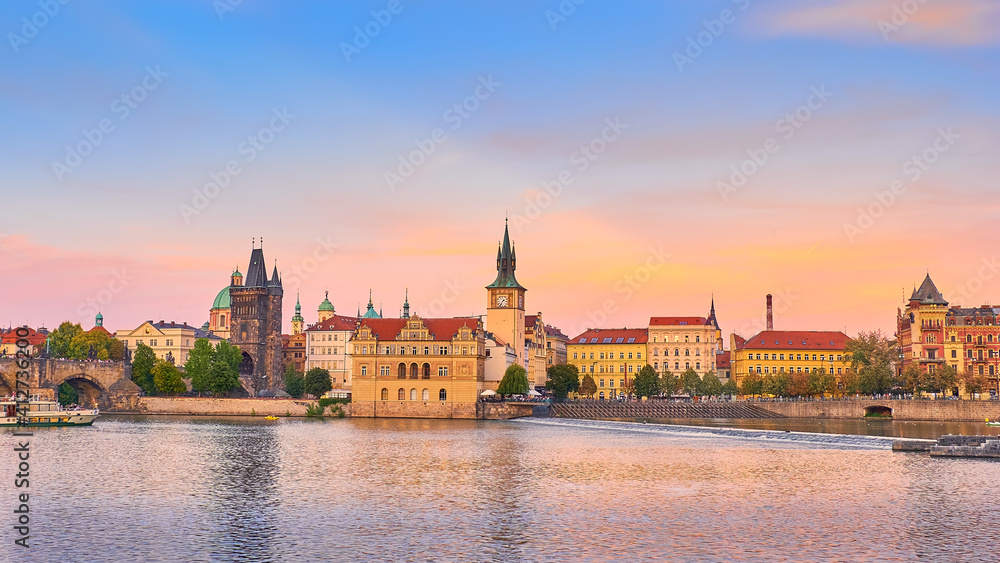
<point x="505" y="300"/>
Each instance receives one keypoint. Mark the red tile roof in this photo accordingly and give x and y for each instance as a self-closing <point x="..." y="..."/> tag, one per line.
<point x="443" y="329"/>
<point x="34" y="337"/>
<point x="676" y="321"/>
<point x="722" y="361"/>
<point x="600" y="335"/>
<point x="337" y="322"/>
<point x="101" y="329"/>
<point x="739" y="341"/>
<point x="553" y="332"/>
<point x="796" y="340"/>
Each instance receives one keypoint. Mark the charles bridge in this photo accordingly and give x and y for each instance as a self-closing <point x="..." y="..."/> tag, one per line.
<point x="99" y="383"/>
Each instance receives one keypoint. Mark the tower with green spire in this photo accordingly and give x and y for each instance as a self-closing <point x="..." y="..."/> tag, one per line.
<point x="297" y="320"/>
<point x="325" y="309"/>
<point x="505" y="299"/>
<point x="406" y="304"/>
<point x="371" y="313"/>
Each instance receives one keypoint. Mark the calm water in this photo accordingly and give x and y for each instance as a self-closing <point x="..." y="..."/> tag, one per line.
<point x="200" y="489"/>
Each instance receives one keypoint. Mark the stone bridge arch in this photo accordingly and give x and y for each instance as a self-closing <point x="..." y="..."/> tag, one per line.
<point x="88" y="387"/>
<point x="878" y="411"/>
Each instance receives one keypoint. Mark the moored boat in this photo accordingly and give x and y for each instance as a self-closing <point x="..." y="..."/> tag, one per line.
<point x="45" y="413"/>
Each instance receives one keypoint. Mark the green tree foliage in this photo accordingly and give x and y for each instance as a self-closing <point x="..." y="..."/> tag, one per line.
<point x="83" y="341"/>
<point x="669" y="383"/>
<point x="293" y="382"/>
<point x="691" y="383"/>
<point x="850" y="382"/>
<point x="912" y="379"/>
<point x="142" y="369"/>
<point x="167" y="378"/>
<point x="821" y="382"/>
<point x="730" y="388"/>
<point x="588" y="386"/>
<point x="222" y="378"/>
<point x="753" y="384"/>
<point x="198" y="364"/>
<point x="646" y="382"/>
<point x="942" y="380"/>
<point x="871" y="355"/>
<point x="229" y="355"/>
<point x="973" y="382"/>
<point x="316" y="382"/>
<point x="68" y="395"/>
<point x="710" y="384"/>
<point x="514" y="382"/>
<point x="61" y="340"/>
<point x="777" y="384"/>
<point x="116" y="351"/>
<point x="563" y="379"/>
<point x="798" y="385"/>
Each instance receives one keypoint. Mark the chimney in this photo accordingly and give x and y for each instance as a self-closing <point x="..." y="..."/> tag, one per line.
<point x="770" y="313"/>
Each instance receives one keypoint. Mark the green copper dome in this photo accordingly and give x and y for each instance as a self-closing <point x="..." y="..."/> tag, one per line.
<point x="222" y="299"/>
<point x="326" y="305"/>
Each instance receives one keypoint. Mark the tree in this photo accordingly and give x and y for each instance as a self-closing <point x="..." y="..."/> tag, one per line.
<point x="563" y="379"/>
<point x="198" y="364"/>
<point x="912" y="379"/>
<point x="222" y="377"/>
<point x="730" y="388"/>
<point x="821" y="382"/>
<point x="230" y="355"/>
<point x="293" y="382"/>
<point x="872" y="355"/>
<point x="973" y="382"/>
<point x="514" y="382"/>
<point x="777" y="384"/>
<point x="316" y="382"/>
<point x="798" y="385"/>
<point x="116" y="351"/>
<point x="849" y="381"/>
<point x="167" y="378"/>
<point x="691" y="383"/>
<point x="83" y="342"/>
<point x="588" y="386"/>
<point x="68" y="395"/>
<point x="60" y="339"/>
<point x="710" y="384"/>
<point x="669" y="383"/>
<point x="752" y="384"/>
<point x="646" y="382"/>
<point x="142" y="369"/>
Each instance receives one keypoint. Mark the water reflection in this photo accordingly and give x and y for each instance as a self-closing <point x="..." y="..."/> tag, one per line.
<point x="865" y="427"/>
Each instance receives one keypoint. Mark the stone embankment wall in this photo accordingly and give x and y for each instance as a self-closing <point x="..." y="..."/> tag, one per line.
<point x="412" y="409"/>
<point x="506" y="411"/>
<point x="660" y="409"/>
<point x="940" y="410"/>
<point x="209" y="406"/>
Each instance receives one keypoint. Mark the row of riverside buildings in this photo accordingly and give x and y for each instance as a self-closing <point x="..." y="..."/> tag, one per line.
<point x="413" y="366"/>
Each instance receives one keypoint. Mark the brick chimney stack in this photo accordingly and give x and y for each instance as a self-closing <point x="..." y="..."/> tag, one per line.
<point x="770" y="313"/>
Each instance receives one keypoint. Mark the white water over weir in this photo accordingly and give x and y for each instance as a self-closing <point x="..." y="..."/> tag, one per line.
<point x="812" y="439"/>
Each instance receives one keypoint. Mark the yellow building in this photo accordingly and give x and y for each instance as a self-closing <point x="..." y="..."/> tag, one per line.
<point x="678" y="343"/>
<point x="417" y="367"/>
<point x="789" y="351"/>
<point x="612" y="356"/>
<point x="167" y="339"/>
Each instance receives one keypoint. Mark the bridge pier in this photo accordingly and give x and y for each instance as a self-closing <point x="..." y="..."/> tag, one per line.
<point x="102" y="383"/>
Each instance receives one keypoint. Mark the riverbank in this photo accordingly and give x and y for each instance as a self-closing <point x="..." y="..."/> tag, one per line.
<point x="212" y="406"/>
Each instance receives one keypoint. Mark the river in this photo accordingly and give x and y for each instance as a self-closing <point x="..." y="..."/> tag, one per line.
<point x="241" y="489"/>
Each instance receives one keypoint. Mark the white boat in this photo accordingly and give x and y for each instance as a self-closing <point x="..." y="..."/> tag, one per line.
<point x="45" y="413"/>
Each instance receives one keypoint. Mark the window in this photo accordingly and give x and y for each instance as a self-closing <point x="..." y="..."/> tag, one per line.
<point x="170" y="342"/>
<point x="364" y="370"/>
<point x="443" y="395"/>
<point x="152" y="342"/>
<point x="606" y="341"/>
<point x="426" y="395"/>
<point x="621" y="368"/>
<point x="629" y="355"/>
<point x="383" y="370"/>
<point x="765" y="357"/>
<point x="413" y="394"/>
<point x="602" y="381"/>
<point x="631" y="340"/>
<point x="697" y="365"/>
<point x="442" y="371"/>
<point x="677" y="351"/>
<point x="697" y="338"/>
<point x="574" y="355"/>
<point x="427" y="352"/>
<point x="687" y="352"/>
<point x="630" y="369"/>
<point x="621" y="339"/>
<point x="798" y="357"/>
<point x="591" y="355"/>
<point x="954" y="353"/>
<point x="401" y="395"/>
<point x="621" y="383"/>
<point x="697" y="352"/>
<point x="602" y="355"/>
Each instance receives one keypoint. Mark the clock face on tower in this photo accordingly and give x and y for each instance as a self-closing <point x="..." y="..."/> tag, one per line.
<point x="501" y="300"/>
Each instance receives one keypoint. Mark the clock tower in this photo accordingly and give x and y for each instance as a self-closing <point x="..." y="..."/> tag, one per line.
<point x="505" y="300"/>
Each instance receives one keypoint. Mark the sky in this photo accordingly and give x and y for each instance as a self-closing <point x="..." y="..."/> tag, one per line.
<point x="649" y="157"/>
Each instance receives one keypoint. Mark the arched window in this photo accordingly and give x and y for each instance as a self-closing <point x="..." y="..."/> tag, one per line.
<point x="385" y="394"/>
<point x="677" y="351"/>
<point x="413" y="394"/>
<point x="602" y="395"/>
<point x="687" y="351"/>
<point x="979" y="340"/>
<point x="402" y="394"/>
<point x="443" y="395"/>
<point x="697" y="351"/>
<point x="427" y="371"/>
<point x="968" y="338"/>
<point x="426" y="395"/>
<point x="414" y="374"/>
<point x="402" y="371"/>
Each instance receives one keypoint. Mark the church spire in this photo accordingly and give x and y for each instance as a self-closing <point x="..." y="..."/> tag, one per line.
<point x="506" y="263"/>
<point x="406" y="304"/>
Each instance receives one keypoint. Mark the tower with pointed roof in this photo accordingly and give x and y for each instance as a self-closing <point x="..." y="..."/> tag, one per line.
<point x="370" y="312"/>
<point x="505" y="300"/>
<point x="325" y="309"/>
<point x="255" y="324"/>
<point x="406" y="305"/>
<point x="920" y="327"/>
<point x="297" y="320"/>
